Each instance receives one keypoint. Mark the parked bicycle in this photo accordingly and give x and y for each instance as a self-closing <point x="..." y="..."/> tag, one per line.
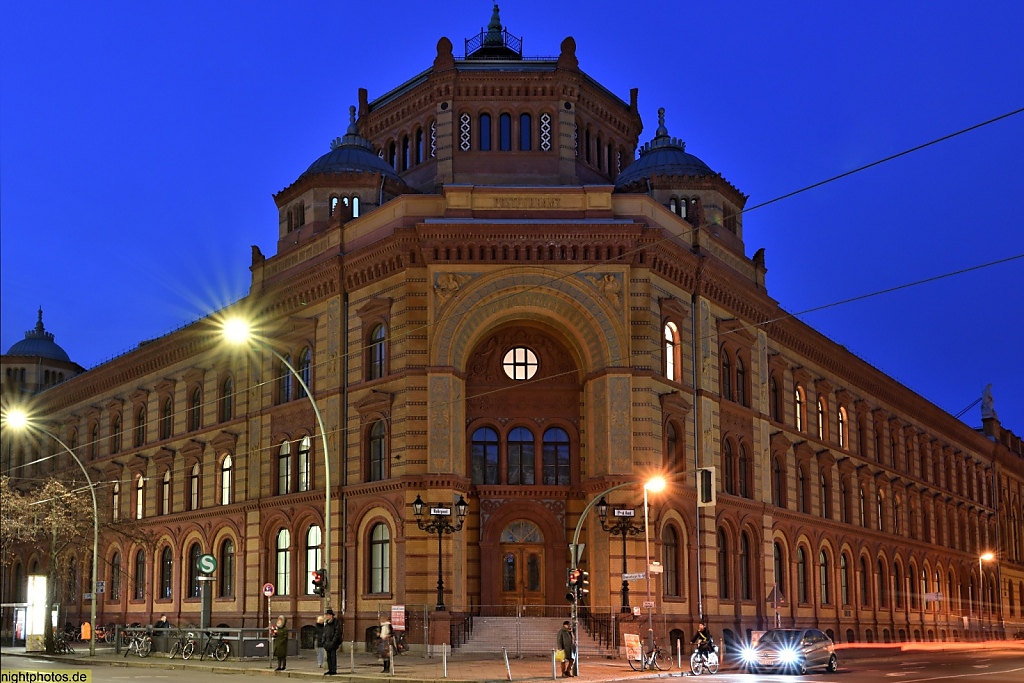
<point x="140" y="643"/>
<point x="214" y="645"/>
<point x="183" y="639"/>
<point x="704" y="660"/>
<point x="61" y="644"/>
<point x="655" y="658"/>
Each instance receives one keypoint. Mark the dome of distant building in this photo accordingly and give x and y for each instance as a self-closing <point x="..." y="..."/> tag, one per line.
<point x="663" y="156"/>
<point x="352" y="154"/>
<point x="38" y="343"/>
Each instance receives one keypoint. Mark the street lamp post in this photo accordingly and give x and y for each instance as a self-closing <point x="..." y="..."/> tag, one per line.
<point x="656" y="484"/>
<point x="623" y="526"/>
<point x="440" y="524"/>
<point x="238" y="331"/>
<point x="984" y="557"/>
<point x="19" y="420"/>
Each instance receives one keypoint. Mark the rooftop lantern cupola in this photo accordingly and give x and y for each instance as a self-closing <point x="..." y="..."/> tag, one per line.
<point x="494" y="42"/>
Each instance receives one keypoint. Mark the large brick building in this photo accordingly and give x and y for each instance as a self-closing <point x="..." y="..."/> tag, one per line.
<point x="492" y="296"/>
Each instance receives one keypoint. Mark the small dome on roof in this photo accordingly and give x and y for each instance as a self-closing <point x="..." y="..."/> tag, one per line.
<point x="352" y="154"/>
<point x="38" y="343"/>
<point x="665" y="156"/>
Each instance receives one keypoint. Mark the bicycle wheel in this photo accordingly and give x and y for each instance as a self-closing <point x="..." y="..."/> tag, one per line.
<point x="188" y="649"/>
<point x="636" y="664"/>
<point x="175" y="649"/>
<point x="145" y="646"/>
<point x="696" y="663"/>
<point x="222" y="651"/>
<point x="68" y="649"/>
<point x="712" y="662"/>
<point x="662" y="659"/>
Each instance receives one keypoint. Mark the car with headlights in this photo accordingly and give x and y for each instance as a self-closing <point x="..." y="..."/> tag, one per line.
<point x="791" y="649"/>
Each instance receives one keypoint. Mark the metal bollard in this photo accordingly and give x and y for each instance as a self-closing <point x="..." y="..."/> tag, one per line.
<point x="444" y="658"/>
<point x="554" y="664"/>
<point x="352" y="657"/>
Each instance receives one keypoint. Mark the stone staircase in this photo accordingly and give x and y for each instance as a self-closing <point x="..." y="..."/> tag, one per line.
<point x="524" y="636"/>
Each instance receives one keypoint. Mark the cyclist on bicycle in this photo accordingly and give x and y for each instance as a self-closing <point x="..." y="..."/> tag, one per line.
<point x="705" y="643"/>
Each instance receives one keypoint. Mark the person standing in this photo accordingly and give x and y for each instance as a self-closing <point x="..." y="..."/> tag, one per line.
<point x="318" y="641"/>
<point x="567" y="644"/>
<point x="280" y="644"/>
<point x="384" y="642"/>
<point x="332" y="640"/>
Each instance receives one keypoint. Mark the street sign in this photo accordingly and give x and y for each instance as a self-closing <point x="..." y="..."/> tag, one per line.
<point x="268" y="589"/>
<point x="635" y="576"/>
<point x="207" y="564"/>
<point x="101" y="586"/>
<point x="576" y="552"/>
<point x="624" y="512"/>
<point x="444" y="512"/>
<point x="656" y="568"/>
<point x="648" y="604"/>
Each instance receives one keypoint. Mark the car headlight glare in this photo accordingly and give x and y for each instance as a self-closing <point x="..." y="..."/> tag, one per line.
<point x="748" y="654"/>
<point x="788" y="656"/>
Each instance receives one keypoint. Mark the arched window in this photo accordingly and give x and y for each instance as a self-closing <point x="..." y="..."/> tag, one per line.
<point x="778" y="483"/>
<point x="825" y="578"/>
<point x="165" y="493"/>
<point x="195" y="411"/>
<point x="773" y="399"/>
<point x="842" y="427"/>
<point x="406" y="154"/>
<point x="744" y="567"/>
<point x="741" y="382"/>
<point x="140" y="427"/>
<point x="671" y="351"/>
<point x="675" y="460"/>
<point x="94" y="440"/>
<point x="305" y="446"/>
<point x="726" y="376"/>
<point x="194" y="552"/>
<point x="521" y="457"/>
<point x="556" y="457"/>
<point x="844" y="580"/>
<point x="166" y="419"/>
<point x="865" y="584"/>
<point x="284" y="384"/>
<point x="798" y="408"/>
<point x="283" y="563"/>
<point x="166" y="573"/>
<point x="355" y="207"/>
<point x="225" y="481"/>
<point x="226" y="569"/>
<point x="879" y="509"/>
<point x="897" y="585"/>
<point x="227" y="397"/>
<point x="418" y="147"/>
<point x="802" y="504"/>
<point x="821" y="419"/>
<point x="305" y="371"/>
<point x="115" y="501"/>
<point x="744" y="472"/>
<point x="670" y="561"/>
<point x="883" y="594"/>
<point x="525" y="132"/>
<point x="863" y="509"/>
<point x="140" y="575"/>
<point x="376" y="349"/>
<point x="801" y="575"/>
<point x="314" y="537"/>
<point x="376" y="455"/>
<point x="114" y="594"/>
<point x="723" y="566"/>
<point x="505" y="132"/>
<point x="284" y="469"/>
<point x="484" y="455"/>
<point x="485" y="132"/>
<point x="140" y="496"/>
<point x="194" y="488"/>
<point x="115" y="434"/>
<point x="393" y="155"/>
<point x="380" y="559"/>
<point x="673" y="205"/>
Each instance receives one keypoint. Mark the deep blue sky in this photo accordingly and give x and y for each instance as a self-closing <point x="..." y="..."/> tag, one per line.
<point x="140" y="144"/>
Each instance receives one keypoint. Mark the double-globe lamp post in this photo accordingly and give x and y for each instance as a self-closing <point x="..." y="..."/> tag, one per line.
<point x="239" y="332"/>
<point x="440" y="523"/>
<point x="19" y="420"/>
<point x="622" y="526"/>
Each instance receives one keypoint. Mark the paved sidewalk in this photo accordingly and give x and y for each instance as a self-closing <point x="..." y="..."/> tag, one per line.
<point x="362" y="667"/>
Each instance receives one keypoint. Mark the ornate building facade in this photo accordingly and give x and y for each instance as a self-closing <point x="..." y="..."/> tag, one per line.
<point x="492" y="296"/>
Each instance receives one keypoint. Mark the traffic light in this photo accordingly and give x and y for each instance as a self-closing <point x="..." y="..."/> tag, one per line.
<point x="706" y="487"/>
<point x="572" y="577"/>
<point x="583" y="585"/>
<point x="319" y="581"/>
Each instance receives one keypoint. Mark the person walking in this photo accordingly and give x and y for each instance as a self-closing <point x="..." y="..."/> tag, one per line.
<point x="318" y="641"/>
<point x="332" y="640"/>
<point x="280" y="643"/>
<point x="566" y="642"/>
<point x="384" y="642"/>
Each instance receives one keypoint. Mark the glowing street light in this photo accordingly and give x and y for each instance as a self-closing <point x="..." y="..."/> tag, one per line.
<point x="238" y="331"/>
<point x="655" y="484"/>
<point x="19" y="420"/>
<point x="984" y="557"/>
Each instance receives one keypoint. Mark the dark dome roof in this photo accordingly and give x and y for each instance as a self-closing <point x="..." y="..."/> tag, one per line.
<point x="352" y="154"/>
<point x="38" y="343"/>
<point x="664" y="156"/>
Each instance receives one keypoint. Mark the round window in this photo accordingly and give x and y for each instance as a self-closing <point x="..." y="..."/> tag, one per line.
<point x="520" y="363"/>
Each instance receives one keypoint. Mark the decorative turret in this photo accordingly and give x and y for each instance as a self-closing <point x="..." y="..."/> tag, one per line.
<point x="494" y="42"/>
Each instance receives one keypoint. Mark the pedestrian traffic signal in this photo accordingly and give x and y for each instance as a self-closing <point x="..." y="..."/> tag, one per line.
<point x="572" y="578"/>
<point x="319" y="578"/>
